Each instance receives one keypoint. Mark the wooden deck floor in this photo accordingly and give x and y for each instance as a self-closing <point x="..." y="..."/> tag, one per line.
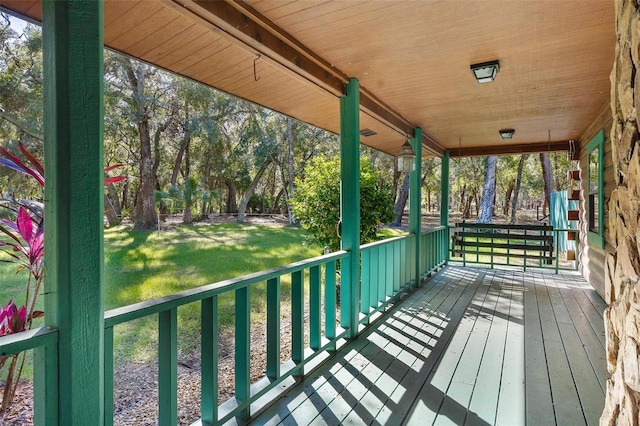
<point x="473" y="346"/>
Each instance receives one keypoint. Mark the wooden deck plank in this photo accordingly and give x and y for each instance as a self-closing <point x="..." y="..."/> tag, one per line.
<point x="370" y="345"/>
<point x="484" y="401"/>
<point x="511" y="409"/>
<point x="425" y="329"/>
<point x="589" y="389"/>
<point x="588" y="337"/>
<point x="462" y="383"/>
<point x="455" y="351"/>
<point x="566" y="403"/>
<point x="430" y="397"/>
<point x="402" y="399"/>
<point x="538" y="401"/>
<point x="593" y="311"/>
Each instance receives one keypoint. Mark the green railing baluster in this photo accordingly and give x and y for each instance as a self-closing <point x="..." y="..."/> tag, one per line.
<point x="45" y="385"/>
<point x="315" y="294"/>
<point x="330" y="301"/>
<point x="392" y="273"/>
<point x="557" y="240"/>
<point x="243" y="349"/>
<point x="374" y="298"/>
<point x="524" y="259"/>
<point x="492" y="242"/>
<point x="273" y="328"/>
<point x="297" y="319"/>
<point x="386" y="287"/>
<point x="508" y="249"/>
<point x="209" y="360"/>
<point x="168" y="367"/>
<point x="403" y="264"/>
<point x="108" y="376"/>
<point x="396" y="267"/>
<point x="388" y="262"/>
<point x="365" y="296"/>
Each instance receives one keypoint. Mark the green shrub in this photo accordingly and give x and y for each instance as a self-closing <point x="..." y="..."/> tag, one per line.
<point x="316" y="201"/>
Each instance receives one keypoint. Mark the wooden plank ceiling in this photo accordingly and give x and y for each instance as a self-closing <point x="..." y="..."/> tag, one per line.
<point x="412" y="59"/>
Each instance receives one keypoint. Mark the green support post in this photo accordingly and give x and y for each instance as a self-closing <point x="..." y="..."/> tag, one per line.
<point x="350" y="206"/>
<point x="444" y="201"/>
<point x="415" y="199"/>
<point x="444" y="189"/>
<point x="73" y="131"/>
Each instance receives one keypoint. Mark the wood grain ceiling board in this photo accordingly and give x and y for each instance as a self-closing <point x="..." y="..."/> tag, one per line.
<point x="555" y="61"/>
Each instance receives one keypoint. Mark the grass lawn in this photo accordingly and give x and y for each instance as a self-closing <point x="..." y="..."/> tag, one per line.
<point x="143" y="265"/>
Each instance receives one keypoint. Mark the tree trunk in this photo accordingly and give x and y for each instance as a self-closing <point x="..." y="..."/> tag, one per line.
<point x="184" y="145"/>
<point x="401" y="202"/>
<point x="189" y="188"/>
<point x="461" y="203"/>
<point x="289" y="194"/>
<point x="232" y="203"/>
<point x="547" y="176"/>
<point x="245" y="200"/>
<point x="144" y="208"/>
<point x="112" y="207"/>
<point x="466" y="210"/>
<point x="485" y="215"/>
<point x="507" y="198"/>
<point x="516" y="190"/>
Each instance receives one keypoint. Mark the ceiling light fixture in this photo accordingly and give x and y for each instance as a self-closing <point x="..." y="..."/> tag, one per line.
<point x="406" y="155"/>
<point x="485" y="72"/>
<point x="506" y="133"/>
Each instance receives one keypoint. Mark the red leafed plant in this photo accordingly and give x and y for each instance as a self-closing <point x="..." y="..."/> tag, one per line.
<point x="24" y="245"/>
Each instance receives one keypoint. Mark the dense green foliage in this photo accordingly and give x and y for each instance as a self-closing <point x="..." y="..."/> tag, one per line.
<point x="316" y="202"/>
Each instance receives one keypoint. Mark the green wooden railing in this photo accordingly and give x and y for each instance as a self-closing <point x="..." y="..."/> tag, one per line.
<point x="389" y="269"/>
<point x="245" y="394"/>
<point x="44" y="342"/>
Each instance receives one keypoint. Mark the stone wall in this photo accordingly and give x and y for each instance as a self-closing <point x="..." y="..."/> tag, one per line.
<point x="622" y="268"/>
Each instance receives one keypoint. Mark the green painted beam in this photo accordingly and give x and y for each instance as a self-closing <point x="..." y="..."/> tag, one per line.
<point x="350" y="206"/>
<point x="74" y="277"/>
<point x="415" y="200"/>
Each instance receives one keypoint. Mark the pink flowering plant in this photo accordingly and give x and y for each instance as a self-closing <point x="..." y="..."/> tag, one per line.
<point x="23" y="244"/>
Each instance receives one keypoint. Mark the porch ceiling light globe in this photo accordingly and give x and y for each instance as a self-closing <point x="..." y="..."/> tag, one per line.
<point x="507" y="133"/>
<point x="485" y="72"/>
<point x="406" y="157"/>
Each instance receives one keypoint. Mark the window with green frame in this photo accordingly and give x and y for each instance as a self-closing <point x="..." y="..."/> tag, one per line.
<point x="595" y="190"/>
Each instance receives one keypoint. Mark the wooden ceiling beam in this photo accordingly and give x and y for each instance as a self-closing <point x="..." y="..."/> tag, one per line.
<point x="242" y="23"/>
<point x="527" y="148"/>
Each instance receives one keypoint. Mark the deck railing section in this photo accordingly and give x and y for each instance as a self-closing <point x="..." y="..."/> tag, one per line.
<point x="388" y="270"/>
<point x="166" y="311"/>
<point x="388" y="267"/>
<point x="44" y="343"/>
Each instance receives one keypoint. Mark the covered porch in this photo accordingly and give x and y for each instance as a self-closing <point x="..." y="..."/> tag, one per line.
<point x="472" y="346"/>
<point x="469" y="346"/>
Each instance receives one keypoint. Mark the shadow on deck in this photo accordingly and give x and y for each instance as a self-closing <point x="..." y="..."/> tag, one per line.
<point x="473" y="346"/>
